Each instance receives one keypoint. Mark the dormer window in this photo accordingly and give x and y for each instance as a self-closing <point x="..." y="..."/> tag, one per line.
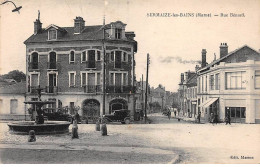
<point x="118" y="33"/>
<point x="52" y="34"/>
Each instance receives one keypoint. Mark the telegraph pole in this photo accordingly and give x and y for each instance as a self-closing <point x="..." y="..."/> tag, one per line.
<point x="142" y="92"/>
<point x="146" y="90"/>
<point x="104" y="69"/>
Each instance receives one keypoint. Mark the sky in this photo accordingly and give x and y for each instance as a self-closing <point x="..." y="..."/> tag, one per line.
<point x="174" y="43"/>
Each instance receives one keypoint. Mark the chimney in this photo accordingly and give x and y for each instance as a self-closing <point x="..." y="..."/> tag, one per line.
<point x="197" y="67"/>
<point x="223" y="49"/>
<point x="203" y="58"/>
<point x="182" y="77"/>
<point x="79" y="25"/>
<point x="37" y="25"/>
<point x="186" y="76"/>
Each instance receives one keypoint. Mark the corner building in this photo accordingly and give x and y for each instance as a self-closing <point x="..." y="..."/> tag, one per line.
<point x="230" y="85"/>
<point x="68" y="62"/>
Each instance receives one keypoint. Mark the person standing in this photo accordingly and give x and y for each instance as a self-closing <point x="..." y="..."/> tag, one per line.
<point x="228" y="119"/>
<point x="169" y="114"/>
<point x="199" y="114"/>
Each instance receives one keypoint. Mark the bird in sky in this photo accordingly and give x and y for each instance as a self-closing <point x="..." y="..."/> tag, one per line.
<point x="16" y="8"/>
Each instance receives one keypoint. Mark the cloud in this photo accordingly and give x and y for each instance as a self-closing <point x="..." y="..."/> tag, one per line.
<point x="178" y="59"/>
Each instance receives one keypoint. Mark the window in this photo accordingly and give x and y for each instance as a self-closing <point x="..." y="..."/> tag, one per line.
<point x="72" y="79"/>
<point x="51" y="108"/>
<point x="111" y="81"/>
<point x="118" y="33"/>
<point x="206" y="84"/>
<point x="83" y="79"/>
<point x="257" y="79"/>
<point x="91" y="59"/>
<point x="211" y="82"/>
<point x="34" y="61"/>
<point x="52" y="34"/>
<point x="118" y="57"/>
<point x="112" y="56"/>
<point x="83" y="56"/>
<point x="236" y="80"/>
<point x="202" y="84"/>
<point x="72" y="57"/>
<point x="124" y="79"/>
<point x="98" y="55"/>
<point x="124" y="56"/>
<point x="98" y="79"/>
<point x="217" y="82"/>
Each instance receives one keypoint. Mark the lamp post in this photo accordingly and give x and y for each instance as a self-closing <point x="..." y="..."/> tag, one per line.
<point x="16" y="8"/>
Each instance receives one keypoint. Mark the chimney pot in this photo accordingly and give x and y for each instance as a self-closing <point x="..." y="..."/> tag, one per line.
<point x="223" y="50"/>
<point x="203" y="58"/>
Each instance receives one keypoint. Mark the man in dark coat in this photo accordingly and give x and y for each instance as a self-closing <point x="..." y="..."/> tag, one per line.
<point x="228" y="119"/>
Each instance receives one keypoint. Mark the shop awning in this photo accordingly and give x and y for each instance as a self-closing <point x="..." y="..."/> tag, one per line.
<point x="209" y="102"/>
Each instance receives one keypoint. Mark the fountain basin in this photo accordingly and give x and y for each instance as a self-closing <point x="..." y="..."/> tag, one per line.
<point x="49" y="127"/>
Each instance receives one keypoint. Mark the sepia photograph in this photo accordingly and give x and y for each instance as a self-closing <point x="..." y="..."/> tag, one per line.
<point x="129" y="82"/>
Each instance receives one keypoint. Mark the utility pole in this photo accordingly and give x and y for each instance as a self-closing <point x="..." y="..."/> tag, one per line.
<point x="146" y="91"/>
<point x="142" y="92"/>
<point x="104" y="69"/>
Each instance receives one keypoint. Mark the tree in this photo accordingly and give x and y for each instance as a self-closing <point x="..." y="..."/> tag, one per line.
<point x="17" y="75"/>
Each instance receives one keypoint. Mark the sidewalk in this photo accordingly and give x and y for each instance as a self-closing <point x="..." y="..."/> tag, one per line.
<point x="193" y="120"/>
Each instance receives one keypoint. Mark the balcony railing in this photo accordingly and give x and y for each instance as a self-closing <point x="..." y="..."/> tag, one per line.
<point x="120" y="89"/>
<point x="32" y="89"/>
<point x="33" y="65"/>
<point x="51" y="89"/>
<point x="92" y="88"/>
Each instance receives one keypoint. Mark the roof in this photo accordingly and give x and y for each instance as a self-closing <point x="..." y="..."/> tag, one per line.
<point x="89" y="33"/>
<point x="192" y="81"/>
<point x="18" y="88"/>
<point x="224" y="57"/>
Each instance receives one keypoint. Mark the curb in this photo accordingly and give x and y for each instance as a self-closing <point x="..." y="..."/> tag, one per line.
<point x="175" y="160"/>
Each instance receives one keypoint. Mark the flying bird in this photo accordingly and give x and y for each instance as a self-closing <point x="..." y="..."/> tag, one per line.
<point x="16" y="8"/>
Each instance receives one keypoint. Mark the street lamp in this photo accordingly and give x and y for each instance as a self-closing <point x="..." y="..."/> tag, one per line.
<point x="16" y="8"/>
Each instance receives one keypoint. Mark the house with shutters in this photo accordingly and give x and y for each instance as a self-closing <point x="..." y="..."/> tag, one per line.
<point x="79" y="65"/>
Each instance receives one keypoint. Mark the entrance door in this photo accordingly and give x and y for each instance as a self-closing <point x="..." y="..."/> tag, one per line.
<point x="52" y="83"/>
<point x="91" y="82"/>
<point x="13" y="106"/>
<point x="91" y="110"/>
<point x="52" y="60"/>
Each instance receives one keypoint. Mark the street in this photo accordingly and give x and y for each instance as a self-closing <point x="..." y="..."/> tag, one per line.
<point x="162" y="141"/>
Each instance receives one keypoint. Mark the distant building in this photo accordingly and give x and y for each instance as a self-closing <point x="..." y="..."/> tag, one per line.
<point x="230" y="84"/>
<point x="187" y="94"/>
<point x="12" y="99"/>
<point x="68" y="62"/>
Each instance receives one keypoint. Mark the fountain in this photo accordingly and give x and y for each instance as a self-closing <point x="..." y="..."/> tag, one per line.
<point x="39" y="126"/>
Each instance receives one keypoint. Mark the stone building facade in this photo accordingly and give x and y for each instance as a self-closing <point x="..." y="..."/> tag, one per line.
<point x="70" y="63"/>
